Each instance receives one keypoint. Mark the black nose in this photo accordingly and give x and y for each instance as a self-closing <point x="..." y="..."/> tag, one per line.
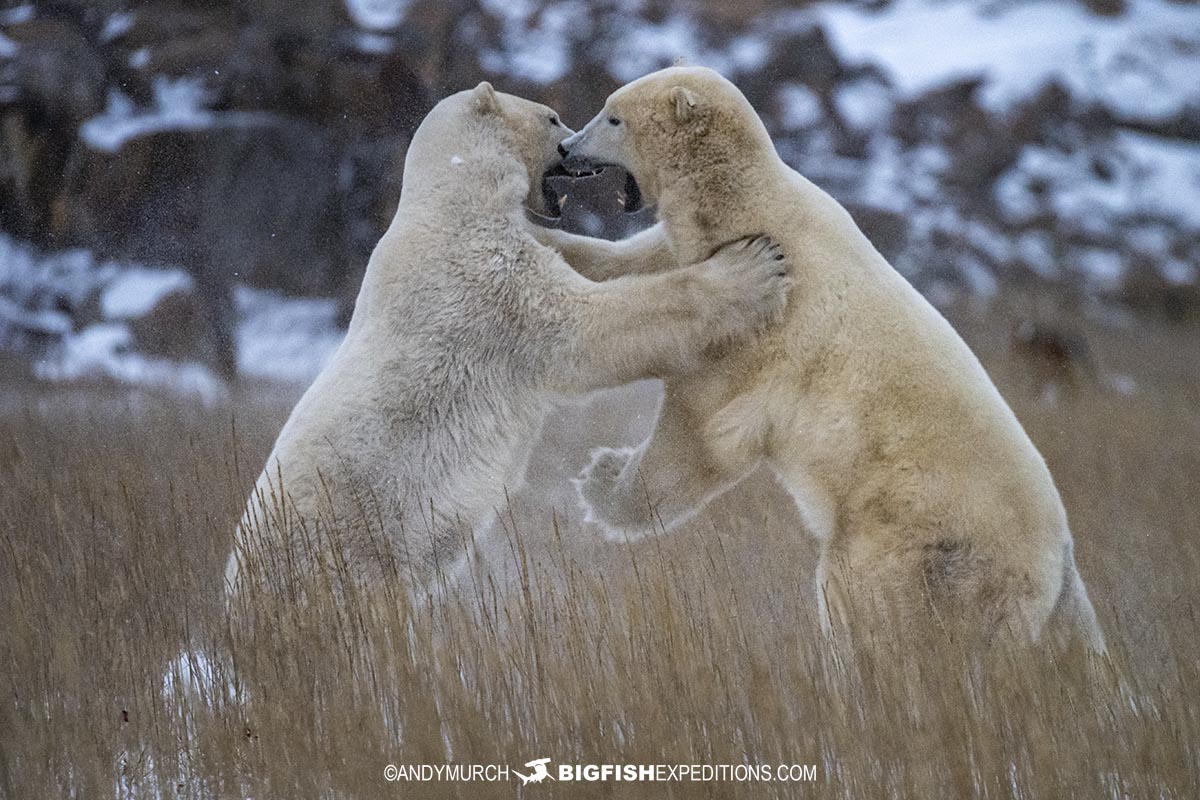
<point x="562" y="151"/>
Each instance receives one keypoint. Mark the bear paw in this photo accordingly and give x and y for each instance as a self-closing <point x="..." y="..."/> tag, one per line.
<point x="752" y="278"/>
<point x="604" y="497"/>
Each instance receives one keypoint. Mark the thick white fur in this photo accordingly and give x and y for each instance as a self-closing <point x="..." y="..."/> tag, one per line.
<point x="464" y="332"/>
<point x="931" y="501"/>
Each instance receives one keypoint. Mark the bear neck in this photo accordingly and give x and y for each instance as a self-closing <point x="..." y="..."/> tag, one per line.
<point x="715" y="206"/>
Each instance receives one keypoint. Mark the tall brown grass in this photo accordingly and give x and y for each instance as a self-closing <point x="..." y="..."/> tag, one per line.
<point x="698" y="647"/>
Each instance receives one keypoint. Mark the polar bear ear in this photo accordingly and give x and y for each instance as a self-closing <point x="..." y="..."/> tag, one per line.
<point x="484" y="100"/>
<point x="686" y="103"/>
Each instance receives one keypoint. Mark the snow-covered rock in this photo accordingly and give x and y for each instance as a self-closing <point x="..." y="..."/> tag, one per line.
<point x="974" y="142"/>
<point x="135" y="291"/>
<point x="1142" y="63"/>
<point x="279" y="338"/>
<point x="179" y="104"/>
<point x="103" y="352"/>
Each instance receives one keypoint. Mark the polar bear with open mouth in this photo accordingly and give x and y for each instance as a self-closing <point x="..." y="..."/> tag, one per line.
<point x="932" y="504"/>
<point x="464" y="333"/>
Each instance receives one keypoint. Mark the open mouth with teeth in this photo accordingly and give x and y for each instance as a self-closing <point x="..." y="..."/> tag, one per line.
<point x="554" y="193"/>
<point x="630" y="196"/>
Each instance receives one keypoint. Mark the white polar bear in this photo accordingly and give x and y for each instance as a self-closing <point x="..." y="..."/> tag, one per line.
<point x="464" y="332"/>
<point x="932" y="503"/>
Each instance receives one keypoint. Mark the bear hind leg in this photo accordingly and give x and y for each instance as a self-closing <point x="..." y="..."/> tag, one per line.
<point x="943" y="590"/>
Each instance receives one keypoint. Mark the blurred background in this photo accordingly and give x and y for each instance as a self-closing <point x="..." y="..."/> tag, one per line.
<point x="189" y="191"/>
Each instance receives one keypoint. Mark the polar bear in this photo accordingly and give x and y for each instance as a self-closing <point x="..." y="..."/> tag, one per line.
<point x="932" y="504"/>
<point x="463" y="333"/>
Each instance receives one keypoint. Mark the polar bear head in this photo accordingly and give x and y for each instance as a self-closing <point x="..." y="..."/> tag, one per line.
<point x="669" y="125"/>
<point x="514" y="139"/>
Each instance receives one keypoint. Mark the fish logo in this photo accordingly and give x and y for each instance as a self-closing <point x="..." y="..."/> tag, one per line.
<point x="539" y="774"/>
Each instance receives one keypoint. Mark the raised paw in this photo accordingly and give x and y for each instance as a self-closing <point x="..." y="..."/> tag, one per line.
<point x="753" y="277"/>
<point x="605" y="499"/>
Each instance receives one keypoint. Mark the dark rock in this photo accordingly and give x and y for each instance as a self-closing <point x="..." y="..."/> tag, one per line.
<point x="806" y="57"/>
<point x="980" y="147"/>
<point x="161" y="22"/>
<point x="252" y="199"/>
<point x="55" y="80"/>
<point x="206" y="52"/>
<point x="258" y="193"/>
<point x="1042" y="117"/>
<point x="1147" y="291"/>
<point x="1184" y="125"/>
<point x="298" y="18"/>
<point x="174" y="328"/>
<point x="57" y="68"/>
<point x="377" y="94"/>
<point x="937" y="114"/>
<point x="442" y="40"/>
<point x="89" y="12"/>
<point x="1105" y="8"/>
<point x="290" y="185"/>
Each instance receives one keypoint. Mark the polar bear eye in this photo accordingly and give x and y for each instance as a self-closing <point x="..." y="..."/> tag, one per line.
<point x="614" y="121"/>
<point x="553" y="120"/>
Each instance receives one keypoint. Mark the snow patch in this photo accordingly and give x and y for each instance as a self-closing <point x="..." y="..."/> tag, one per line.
<point x="749" y="53"/>
<point x="535" y="47"/>
<point x="1164" y="176"/>
<point x="649" y="47"/>
<point x="979" y="279"/>
<point x="279" y="338"/>
<point x="1036" y="251"/>
<point x="1179" y="273"/>
<point x="1141" y="63"/>
<point x="799" y="107"/>
<point x="16" y="320"/>
<point x="15" y="16"/>
<point x="1122" y="384"/>
<point x="117" y="25"/>
<point x="1100" y="268"/>
<point x="1136" y="176"/>
<point x="179" y="104"/>
<point x="140" y="58"/>
<point x="899" y="180"/>
<point x="284" y="338"/>
<point x="195" y="673"/>
<point x="40" y="281"/>
<point x="377" y="15"/>
<point x="103" y="351"/>
<point x="8" y="48"/>
<point x="865" y="104"/>
<point x="374" y="43"/>
<point x="135" y="291"/>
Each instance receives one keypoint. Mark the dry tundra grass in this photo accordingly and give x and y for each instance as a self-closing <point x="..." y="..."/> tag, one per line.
<point x="700" y="647"/>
